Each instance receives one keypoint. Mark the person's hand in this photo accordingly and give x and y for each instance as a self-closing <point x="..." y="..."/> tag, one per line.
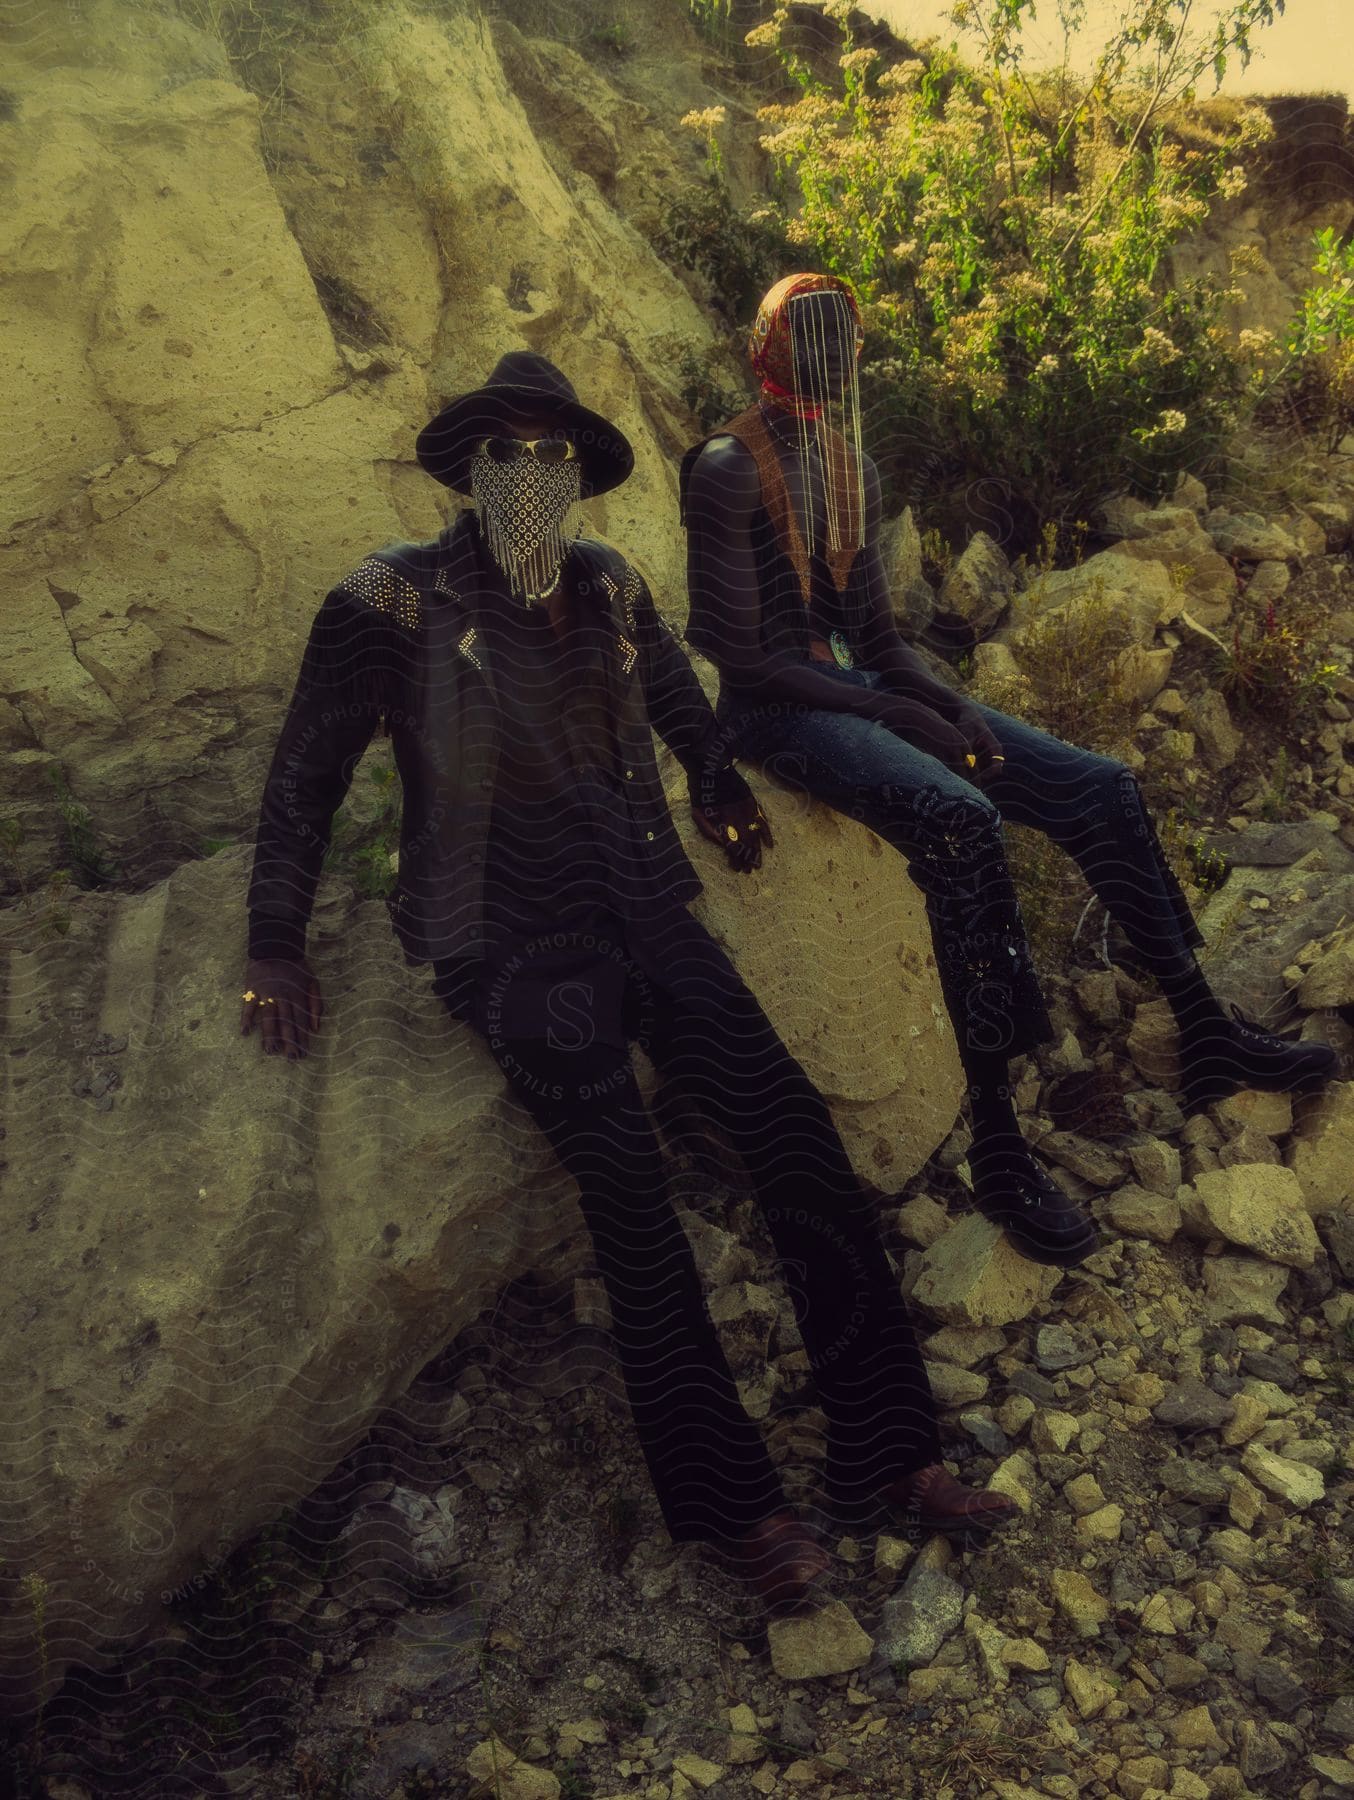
<point x="739" y="827"/>
<point x="284" y="997"/>
<point x="923" y="727"/>
<point x="982" y="741"/>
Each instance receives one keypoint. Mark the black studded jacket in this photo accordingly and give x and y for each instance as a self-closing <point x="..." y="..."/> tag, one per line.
<point x="400" y="643"/>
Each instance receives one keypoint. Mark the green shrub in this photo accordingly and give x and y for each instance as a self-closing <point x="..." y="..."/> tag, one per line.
<point x="1009" y="236"/>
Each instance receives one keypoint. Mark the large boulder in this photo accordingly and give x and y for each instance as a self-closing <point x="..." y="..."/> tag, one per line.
<point x="1261" y="917"/>
<point x="231" y="1264"/>
<point x="1132" y="597"/>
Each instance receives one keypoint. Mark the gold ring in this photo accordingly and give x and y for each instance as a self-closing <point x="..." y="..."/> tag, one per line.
<point x="731" y="832"/>
<point x="996" y="758"/>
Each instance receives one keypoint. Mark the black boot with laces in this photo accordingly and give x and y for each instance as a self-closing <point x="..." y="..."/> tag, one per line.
<point x="1218" y="1055"/>
<point x="1012" y="1190"/>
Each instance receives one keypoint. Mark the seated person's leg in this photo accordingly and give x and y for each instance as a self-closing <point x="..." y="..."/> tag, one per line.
<point x="949" y="833"/>
<point x="1093" y="807"/>
<point x="708" y="1462"/>
<point x="850" y="1311"/>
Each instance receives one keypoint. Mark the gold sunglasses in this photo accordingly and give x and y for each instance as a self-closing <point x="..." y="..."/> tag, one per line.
<point x="545" y="450"/>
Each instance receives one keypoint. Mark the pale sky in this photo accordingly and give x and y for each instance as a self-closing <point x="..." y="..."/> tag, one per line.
<point x="1309" y="49"/>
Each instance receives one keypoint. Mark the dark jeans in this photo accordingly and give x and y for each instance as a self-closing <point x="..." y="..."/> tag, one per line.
<point x="950" y="833"/>
<point x="703" y="1027"/>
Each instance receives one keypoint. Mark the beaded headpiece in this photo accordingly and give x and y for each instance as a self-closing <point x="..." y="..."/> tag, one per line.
<point x="804" y="348"/>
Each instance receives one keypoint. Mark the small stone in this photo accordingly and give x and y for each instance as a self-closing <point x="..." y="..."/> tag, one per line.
<point x="989" y="1644"/>
<point x="1103" y="1526"/>
<point x="491" y="1761"/>
<point x="1338" y="1770"/>
<point x="1194" y="1730"/>
<point x="1277" y="1687"/>
<point x="1245" y="1503"/>
<point x="744" y="1743"/>
<point x="1233" y="1549"/>
<point x="973" y="1276"/>
<point x="697" y="1770"/>
<point x="1078" y="1601"/>
<point x="964" y="1348"/>
<point x="1015" y="1413"/>
<point x="985" y="1431"/>
<point x="917" y="1620"/>
<point x="1192" y="1406"/>
<point x="1054" y="1431"/>
<point x="1015" y="1478"/>
<point x="1089" y="1689"/>
<point x="1338" y="1722"/>
<point x="827" y="1641"/>
<point x="1193" y="1481"/>
<point x="892" y="1555"/>
<point x="1024" y="1653"/>
<point x="1294" y="1482"/>
<point x="1137" y="1213"/>
<point x="1055" y="1348"/>
<point x="1138" y="1775"/>
<point x="954" y="1387"/>
<point x="1145" y="1389"/>
<point x="1084" y="1494"/>
<point x="1156" y="1165"/>
<point x="1249" y="1413"/>
<point x="1181" y="1672"/>
<point x="922" y="1220"/>
<point x="1259" y="1752"/>
<point x="925" y="1686"/>
<point x="1242" y="1288"/>
<point x="1259" y="1206"/>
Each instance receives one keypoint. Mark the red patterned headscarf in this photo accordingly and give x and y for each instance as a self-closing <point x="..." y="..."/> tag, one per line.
<point x="770" y="349"/>
<point x="823" y="399"/>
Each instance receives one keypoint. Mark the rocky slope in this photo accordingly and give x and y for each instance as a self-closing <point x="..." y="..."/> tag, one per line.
<point x="231" y="318"/>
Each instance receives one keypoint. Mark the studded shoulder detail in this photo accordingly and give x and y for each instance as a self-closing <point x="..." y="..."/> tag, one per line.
<point x="627" y="594"/>
<point x="385" y="589"/>
<point x="630" y="594"/>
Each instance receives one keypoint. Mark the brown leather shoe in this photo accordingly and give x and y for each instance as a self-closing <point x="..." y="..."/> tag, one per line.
<point x="935" y="1501"/>
<point x="780" y="1561"/>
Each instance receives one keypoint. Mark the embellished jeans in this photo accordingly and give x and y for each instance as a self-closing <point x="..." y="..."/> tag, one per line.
<point x="950" y="833"/>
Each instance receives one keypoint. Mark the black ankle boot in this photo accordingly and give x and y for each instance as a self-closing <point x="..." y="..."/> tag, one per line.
<point x="1036" y="1215"/>
<point x="1237" y="1053"/>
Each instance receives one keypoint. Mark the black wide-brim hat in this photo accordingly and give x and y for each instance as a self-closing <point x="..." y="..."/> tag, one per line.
<point x="522" y="384"/>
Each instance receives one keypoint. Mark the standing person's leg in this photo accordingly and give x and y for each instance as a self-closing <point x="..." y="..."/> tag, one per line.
<point x="950" y="834"/>
<point x="710" y="1467"/>
<point x="1093" y="808"/>
<point x="858" y="1337"/>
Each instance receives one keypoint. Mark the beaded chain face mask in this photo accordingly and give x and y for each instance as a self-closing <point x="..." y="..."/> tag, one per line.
<point x="804" y="347"/>
<point x="527" y="512"/>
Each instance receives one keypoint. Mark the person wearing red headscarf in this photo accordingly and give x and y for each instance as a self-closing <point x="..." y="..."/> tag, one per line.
<point x="789" y="597"/>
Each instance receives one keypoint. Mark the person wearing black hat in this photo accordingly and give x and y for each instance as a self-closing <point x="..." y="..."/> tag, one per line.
<point x="518" y="668"/>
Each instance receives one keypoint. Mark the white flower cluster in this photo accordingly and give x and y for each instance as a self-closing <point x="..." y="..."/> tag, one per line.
<point x="705" y="121"/>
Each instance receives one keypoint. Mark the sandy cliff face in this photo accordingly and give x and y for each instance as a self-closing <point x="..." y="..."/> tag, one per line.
<point x="228" y="330"/>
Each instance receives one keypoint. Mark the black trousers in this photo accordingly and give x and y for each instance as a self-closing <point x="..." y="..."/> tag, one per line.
<point x="701" y="1025"/>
